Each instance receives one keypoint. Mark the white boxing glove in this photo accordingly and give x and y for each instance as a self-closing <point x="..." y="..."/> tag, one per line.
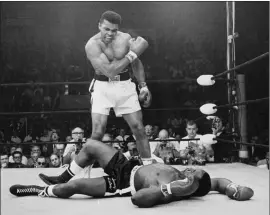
<point x="208" y="139"/>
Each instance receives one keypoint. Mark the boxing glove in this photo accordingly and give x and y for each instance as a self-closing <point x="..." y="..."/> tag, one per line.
<point x="136" y="48"/>
<point x="208" y="139"/>
<point x="145" y="96"/>
<point x="183" y="187"/>
<point x="239" y="193"/>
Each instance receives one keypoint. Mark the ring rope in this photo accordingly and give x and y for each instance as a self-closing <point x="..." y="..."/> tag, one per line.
<point x="125" y="141"/>
<point x="86" y="83"/>
<point x="84" y="111"/>
<point x="241" y="65"/>
<point x="241" y="103"/>
<point x="89" y="82"/>
<point x="108" y="141"/>
<point x="44" y="112"/>
<point x="153" y="109"/>
<point x="243" y="143"/>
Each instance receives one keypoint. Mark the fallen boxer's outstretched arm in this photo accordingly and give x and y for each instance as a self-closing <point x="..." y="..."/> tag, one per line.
<point x="232" y="190"/>
<point x="166" y="193"/>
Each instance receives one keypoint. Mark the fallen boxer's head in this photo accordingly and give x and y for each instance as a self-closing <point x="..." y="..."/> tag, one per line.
<point x="203" y="178"/>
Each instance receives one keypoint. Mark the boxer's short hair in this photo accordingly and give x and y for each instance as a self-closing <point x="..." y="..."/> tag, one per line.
<point x="111" y="17"/>
<point x="204" y="185"/>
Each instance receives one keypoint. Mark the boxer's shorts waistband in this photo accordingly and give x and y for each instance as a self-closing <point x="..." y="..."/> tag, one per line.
<point x="120" y="77"/>
<point x="131" y="182"/>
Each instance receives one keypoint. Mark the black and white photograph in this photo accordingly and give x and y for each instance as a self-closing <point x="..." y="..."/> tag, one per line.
<point x="134" y="107"/>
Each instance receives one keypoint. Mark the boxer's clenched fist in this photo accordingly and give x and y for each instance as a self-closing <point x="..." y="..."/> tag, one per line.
<point x="137" y="47"/>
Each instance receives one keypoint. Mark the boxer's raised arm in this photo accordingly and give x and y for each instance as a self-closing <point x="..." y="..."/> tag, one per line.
<point x="101" y="63"/>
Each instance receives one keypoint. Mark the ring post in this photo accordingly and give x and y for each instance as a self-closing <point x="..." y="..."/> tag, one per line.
<point x="242" y="116"/>
<point x="230" y="14"/>
<point x="230" y="44"/>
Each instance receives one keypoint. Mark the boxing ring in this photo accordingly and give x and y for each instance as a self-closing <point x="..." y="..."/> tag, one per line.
<point x="211" y="204"/>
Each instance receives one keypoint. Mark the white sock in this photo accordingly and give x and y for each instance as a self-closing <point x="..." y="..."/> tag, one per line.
<point x="147" y="161"/>
<point x="50" y="190"/>
<point x="75" y="168"/>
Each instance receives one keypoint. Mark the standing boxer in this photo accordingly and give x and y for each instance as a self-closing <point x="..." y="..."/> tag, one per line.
<point x="111" y="52"/>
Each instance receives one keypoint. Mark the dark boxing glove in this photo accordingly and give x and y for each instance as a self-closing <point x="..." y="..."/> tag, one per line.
<point x="183" y="187"/>
<point x="145" y="96"/>
<point x="238" y="193"/>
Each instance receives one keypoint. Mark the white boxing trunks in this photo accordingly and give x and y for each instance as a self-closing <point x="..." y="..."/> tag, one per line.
<point x="119" y="95"/>
<point x="131" y="182"/>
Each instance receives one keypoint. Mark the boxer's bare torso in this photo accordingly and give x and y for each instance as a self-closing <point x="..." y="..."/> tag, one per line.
<point x="114" y="50"/>
<point x="155" y="175"/>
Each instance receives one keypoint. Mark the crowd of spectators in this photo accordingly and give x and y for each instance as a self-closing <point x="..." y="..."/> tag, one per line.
<point x="52" y="149"/>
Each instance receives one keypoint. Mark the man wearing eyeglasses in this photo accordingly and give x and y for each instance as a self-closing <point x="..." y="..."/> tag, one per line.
<point x="72" y="149"/>
<point x="77" y="135"/>
<point x="17" y="157"/>
<point x="41" y="162"/>
<point x="166" y="150"/>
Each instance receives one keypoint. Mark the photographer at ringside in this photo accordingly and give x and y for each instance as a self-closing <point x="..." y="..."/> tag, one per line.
<point x="77" y="135"/>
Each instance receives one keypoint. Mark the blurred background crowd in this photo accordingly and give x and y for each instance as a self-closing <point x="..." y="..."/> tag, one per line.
<point x="53" y="146"/>
<point x="44" y="42"/>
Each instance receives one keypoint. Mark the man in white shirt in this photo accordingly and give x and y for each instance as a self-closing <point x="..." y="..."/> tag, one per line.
<point x="191" y="129"/>
<point x="148" y="131"/>
<point x="77" y="135"/>
<point x="72" y="149"/>
<point x="166" y="150"/>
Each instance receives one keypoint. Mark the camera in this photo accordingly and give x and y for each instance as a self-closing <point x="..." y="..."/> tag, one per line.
<point x="191" y="151"/>
<point x="78" y="146"/>
<point x="135" y="152"/>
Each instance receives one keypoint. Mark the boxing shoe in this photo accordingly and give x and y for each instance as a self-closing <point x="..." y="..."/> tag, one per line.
<point x="29" y="190"/>
<point x="239" y="193"/>
<point x="49" y="180"/>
